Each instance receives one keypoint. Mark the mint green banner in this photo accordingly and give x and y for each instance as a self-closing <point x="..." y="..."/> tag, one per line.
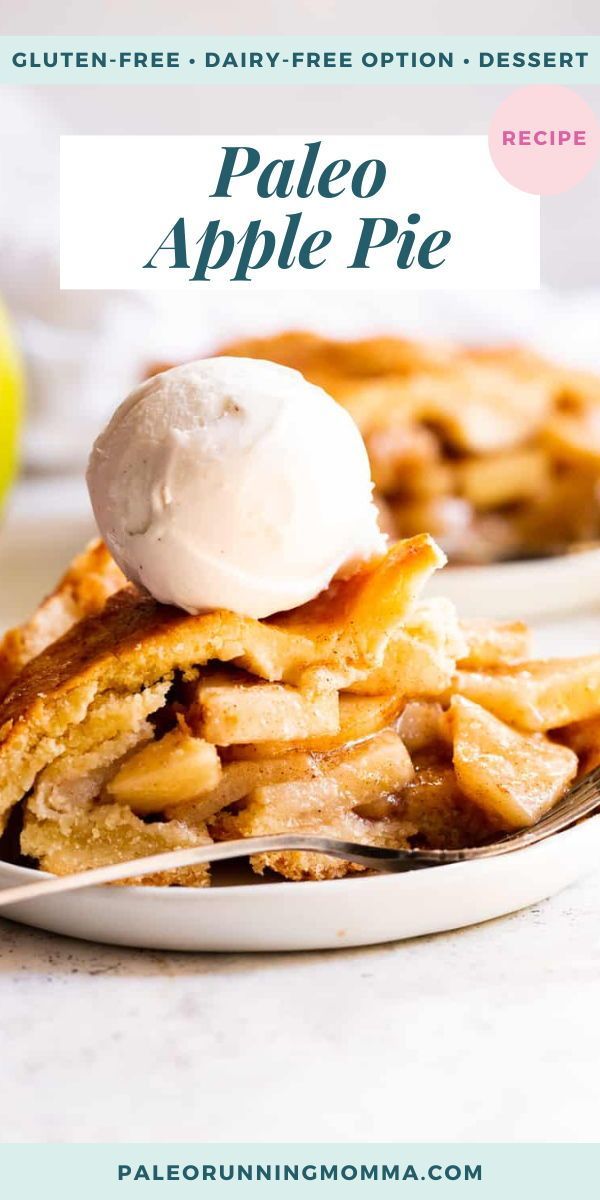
<point x="368" y="59"/>
<point x="482" y="1172"/>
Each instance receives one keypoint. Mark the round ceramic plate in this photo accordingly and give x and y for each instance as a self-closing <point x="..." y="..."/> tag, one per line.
<point x="540" y="587"/>
<point x="263" y="915"/>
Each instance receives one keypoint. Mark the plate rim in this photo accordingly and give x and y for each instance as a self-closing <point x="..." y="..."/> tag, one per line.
<point x="150" y="892"/>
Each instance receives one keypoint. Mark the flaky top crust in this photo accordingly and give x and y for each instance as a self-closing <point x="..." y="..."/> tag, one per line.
<point x="135" y="641"/>
<point x="85" y="587"/>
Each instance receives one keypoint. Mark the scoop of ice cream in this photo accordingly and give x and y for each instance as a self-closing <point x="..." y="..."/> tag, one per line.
<point x="233" y="483"/>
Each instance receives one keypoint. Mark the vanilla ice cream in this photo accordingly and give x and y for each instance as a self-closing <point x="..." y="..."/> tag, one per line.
<point x="233" y="483"/>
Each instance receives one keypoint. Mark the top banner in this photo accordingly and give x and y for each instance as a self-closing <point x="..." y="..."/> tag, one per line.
<point x="368" y="59"/>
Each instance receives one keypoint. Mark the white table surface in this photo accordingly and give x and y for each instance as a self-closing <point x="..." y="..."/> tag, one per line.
<point x="488" y="1034"/>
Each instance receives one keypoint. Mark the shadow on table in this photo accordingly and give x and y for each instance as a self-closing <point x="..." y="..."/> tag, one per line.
<point x="33" y="951"/>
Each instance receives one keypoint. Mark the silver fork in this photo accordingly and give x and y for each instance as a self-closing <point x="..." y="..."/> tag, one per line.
<point x="580" y="801"/>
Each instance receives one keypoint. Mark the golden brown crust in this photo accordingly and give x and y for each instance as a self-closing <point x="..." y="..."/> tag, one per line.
<point x="83" y="591"/>
<point x="322" y="358"/>
<point x="110" y="833"/>
<point x="136" y="636"/>
<point x="135" y="642"/>
<point x="490" y="643"/>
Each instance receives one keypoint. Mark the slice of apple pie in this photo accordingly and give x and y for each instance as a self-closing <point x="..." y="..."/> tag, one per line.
<point x="365" y="714"/>
<point x="495" y="451"/>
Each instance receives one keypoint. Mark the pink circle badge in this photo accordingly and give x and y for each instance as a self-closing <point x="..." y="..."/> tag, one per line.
<point x="544" y="139"/>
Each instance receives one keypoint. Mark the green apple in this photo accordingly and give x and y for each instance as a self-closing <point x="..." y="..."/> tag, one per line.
<point x="11" y="404"/>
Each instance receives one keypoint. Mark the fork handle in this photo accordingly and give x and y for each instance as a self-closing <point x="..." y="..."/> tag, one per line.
<point x="581" y="801"/>
<point x="169" y="860"/>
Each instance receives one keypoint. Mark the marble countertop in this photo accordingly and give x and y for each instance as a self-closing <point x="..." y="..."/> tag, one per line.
<point x="487" y="1034"/>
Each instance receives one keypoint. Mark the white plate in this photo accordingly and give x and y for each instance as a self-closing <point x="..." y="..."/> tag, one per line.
<point x="262" y="916"/>
<point x="539" y="588"/>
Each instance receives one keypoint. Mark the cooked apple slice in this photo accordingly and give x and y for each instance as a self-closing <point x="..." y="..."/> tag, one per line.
<point x="168" y="772"/>
<point x="238" y="779"/>
<point x="230" y="708"/>
<point x="380" y="766"/>
<point x="498" y="479"/>
<point x="514" y="777"/>
<point x="537" y="695"/>
<point x="441" y="813"/>
<point x="491" y="643"/>
<point x="575" y="437"/>
<point x="377" y="769"/>
<point x="584" y="738"/>
<point x="424" y="725"/>
<point x="360" y="716"/>
<point x="404" y="456"/>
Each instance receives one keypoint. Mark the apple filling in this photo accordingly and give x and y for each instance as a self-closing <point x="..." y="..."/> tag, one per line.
<point x="366" y="715"/>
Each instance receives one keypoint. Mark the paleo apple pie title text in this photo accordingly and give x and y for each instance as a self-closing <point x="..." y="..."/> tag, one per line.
<point x="241" y="251"/>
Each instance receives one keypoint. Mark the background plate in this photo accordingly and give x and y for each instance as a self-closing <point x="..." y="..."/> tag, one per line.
<point x="50" y="521"/>
<point x="542" y="587"/>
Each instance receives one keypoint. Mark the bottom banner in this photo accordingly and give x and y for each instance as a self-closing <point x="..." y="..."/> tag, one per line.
<point x="485" y="1172"/>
